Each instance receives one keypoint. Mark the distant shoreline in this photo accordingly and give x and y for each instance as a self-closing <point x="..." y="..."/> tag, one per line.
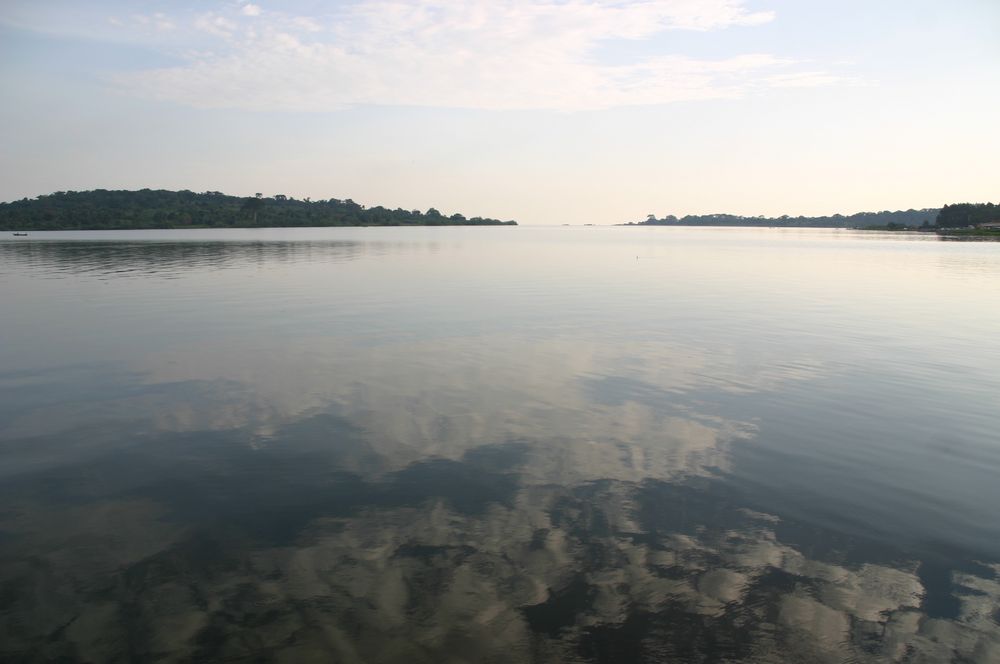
<point x="161" y="209"/>
<point x="974" y="219"/>
<point x="937" y="232"/>
<point x="31" y="229"/>
<point x="244" y="228"/>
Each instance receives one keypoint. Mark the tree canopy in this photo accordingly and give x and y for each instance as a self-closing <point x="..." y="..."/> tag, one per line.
<point x="961" y="215"/>
<point x="899" y="218"/>
<point x="103" y="209"/>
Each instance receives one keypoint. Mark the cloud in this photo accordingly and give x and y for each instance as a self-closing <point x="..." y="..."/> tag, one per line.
<point x="216" y="25"/>
<point x="807" y="79"/>
<point x="158" y="21"/>
<point x="463" y="54"/>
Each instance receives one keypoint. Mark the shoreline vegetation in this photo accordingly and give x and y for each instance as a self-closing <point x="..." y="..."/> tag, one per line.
<point x="149" y="209"/>
<point x="103" y="209"/>
<point x="961" y="219"/>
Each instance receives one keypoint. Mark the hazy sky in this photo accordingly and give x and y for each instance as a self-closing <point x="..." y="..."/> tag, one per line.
<point x="593" y="111"/>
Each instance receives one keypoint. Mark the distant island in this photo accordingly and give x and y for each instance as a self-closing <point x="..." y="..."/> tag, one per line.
<point x="903" y="218"/>
<point x="962" y="218"/>
<point x="103" y="209"/>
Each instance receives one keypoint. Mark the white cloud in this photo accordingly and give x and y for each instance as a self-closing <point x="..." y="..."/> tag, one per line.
<point x="216" y="25"/>
<point x="806" y="79"/>
<point x="146" y="24"/>
<point x="463" y="53"/>
<point x="161" y="22"/>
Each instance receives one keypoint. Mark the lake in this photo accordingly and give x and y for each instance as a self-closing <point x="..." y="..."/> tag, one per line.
<point x="499" y="445"/>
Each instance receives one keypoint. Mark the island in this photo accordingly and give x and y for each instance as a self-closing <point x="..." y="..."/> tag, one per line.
<point x="882" y="220"/>
<point x="959" y="219"/>
<point x="103" y="209"/>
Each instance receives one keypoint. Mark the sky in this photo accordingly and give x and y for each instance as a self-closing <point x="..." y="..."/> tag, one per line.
<point x="561" y="111"/>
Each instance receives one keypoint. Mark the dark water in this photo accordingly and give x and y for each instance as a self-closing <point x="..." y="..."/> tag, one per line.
<point x="498" y="445"/>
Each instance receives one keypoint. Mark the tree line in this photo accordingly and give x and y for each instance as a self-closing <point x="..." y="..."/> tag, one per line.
<point x="959" y="215"/>
<point x="900" y="218"/>
<point x="103" y="209"/>
<point x="962" y="215"/>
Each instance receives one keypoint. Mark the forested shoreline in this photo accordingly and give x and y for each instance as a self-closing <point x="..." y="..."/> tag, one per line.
<point x="103" y="209"/>
<point x="859" y="220"/>
<point x="959" y="215"/>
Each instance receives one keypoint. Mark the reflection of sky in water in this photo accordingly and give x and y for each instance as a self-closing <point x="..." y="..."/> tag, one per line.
<point x="548" y="444"/>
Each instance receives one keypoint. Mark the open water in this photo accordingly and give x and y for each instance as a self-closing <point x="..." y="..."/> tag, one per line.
<point x="499" y="445"/>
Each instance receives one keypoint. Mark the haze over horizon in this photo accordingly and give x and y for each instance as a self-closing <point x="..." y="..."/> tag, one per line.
<point x="582" y="111"/>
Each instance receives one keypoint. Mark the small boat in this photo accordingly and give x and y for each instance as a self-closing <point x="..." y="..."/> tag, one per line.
<point x="21" y="234"/>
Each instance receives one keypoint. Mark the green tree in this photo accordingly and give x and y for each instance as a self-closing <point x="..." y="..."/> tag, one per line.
<point x="252" y="206"/>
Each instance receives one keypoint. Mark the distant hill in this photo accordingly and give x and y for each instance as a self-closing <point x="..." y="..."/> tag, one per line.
<point x="900" y="218"/>
<point x="103" y="209"/>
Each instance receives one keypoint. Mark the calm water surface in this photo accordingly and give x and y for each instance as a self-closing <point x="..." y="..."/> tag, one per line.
<point x="499" y="445"/>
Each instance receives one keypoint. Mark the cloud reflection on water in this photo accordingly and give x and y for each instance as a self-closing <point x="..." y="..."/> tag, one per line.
<point x="525" y="489"/>
<point x="465" y="498"/>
